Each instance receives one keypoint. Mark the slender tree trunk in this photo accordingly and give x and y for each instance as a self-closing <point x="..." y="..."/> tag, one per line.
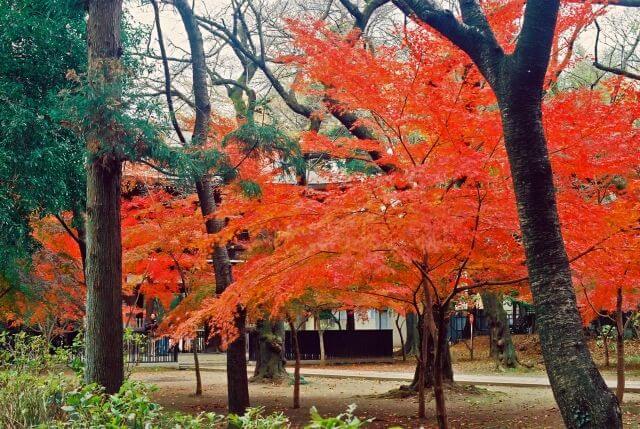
<point x="197" y="369"/>
<point x="399" y="328"/>
<point x="104" y="343"/>
<point x="619" y="347"/>
<point x="79" y="216"/>
<point x="501" y="346"/>
<point x="438" y="390"/>
<point x="472" y="334"/>
<point x="422" y="365"/>
<point x="605" y="342"/>
<point x="296" y="371"/>
<point x="436" y="324"/>
<point x="579" y="389"/>
<point x="237" y="380"/>
<point x="323" y="354"/>
<point x="270" y="351"/>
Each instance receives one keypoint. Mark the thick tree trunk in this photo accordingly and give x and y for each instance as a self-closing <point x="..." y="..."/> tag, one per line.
<point x="517" y="78"/>
<point x="296" y="371"/>
<point x="196" y="363"/>
<point x="104" y="343"/>
<point x="237" y="380"/>
<point x="579" y="389"/>
<point x="412" y="345"/>
<point x="501" y="346"/>
<point x="619" y="347"/>
<point x="270" y="360"/>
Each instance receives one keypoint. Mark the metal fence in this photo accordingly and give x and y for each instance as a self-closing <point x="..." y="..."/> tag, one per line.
<point x="521" y="321"/>
<point x="338" y="344"/>
<point x="151" y="350"/>
<point x="200" y="343"/>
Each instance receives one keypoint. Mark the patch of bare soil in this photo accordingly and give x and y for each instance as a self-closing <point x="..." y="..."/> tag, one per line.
<point x="504" y="407"/>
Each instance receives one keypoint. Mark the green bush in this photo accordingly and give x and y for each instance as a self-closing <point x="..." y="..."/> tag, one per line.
<point x="28" y="353"/>
<point x="253" y="418"/>
<point x="34" y="395"/>
<point x="131" y="407"/>
<point x="27" y="399"/>
<point x="346" y="420"/>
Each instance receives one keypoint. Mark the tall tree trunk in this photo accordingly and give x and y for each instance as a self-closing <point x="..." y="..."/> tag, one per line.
<point x="104" y="343"/>
<point x="517" y="78"/>
<point x="412" y="345"/>
<point x="501" y="346"/>
<point x="579" y="389"/>
<point x="196" y="363"/>
<point x="270" y="358"/>
<point x="619" y="347"/>
<point x="237" y="380"/>
<point x="296" y="371"/>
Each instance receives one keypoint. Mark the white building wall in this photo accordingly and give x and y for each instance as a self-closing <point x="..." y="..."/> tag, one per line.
<point x="372" y="319"/>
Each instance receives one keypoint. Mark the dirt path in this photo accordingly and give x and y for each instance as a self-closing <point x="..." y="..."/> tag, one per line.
<point x="490" y="407"/>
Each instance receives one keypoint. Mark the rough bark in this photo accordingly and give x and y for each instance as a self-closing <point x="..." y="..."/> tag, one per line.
<point x="270" y="360"/>
<point x="517" y="79"/>
<point x="237" y="380"/>
<point x="501" y="346"/>
<point x="104" y="343"/>
<point x="578" y="387"/>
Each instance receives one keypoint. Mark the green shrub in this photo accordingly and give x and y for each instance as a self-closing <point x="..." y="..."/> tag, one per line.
<point x="253" y="418"/>
<point x="27" y="400"/>
<point x="28" y="353"/>
<point x="131" y="408"/>
<point x="346" y="420"/>
<point x="34" y="395"/>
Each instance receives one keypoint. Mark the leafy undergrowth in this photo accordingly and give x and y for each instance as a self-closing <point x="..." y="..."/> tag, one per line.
<point x="37" y="390"/>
